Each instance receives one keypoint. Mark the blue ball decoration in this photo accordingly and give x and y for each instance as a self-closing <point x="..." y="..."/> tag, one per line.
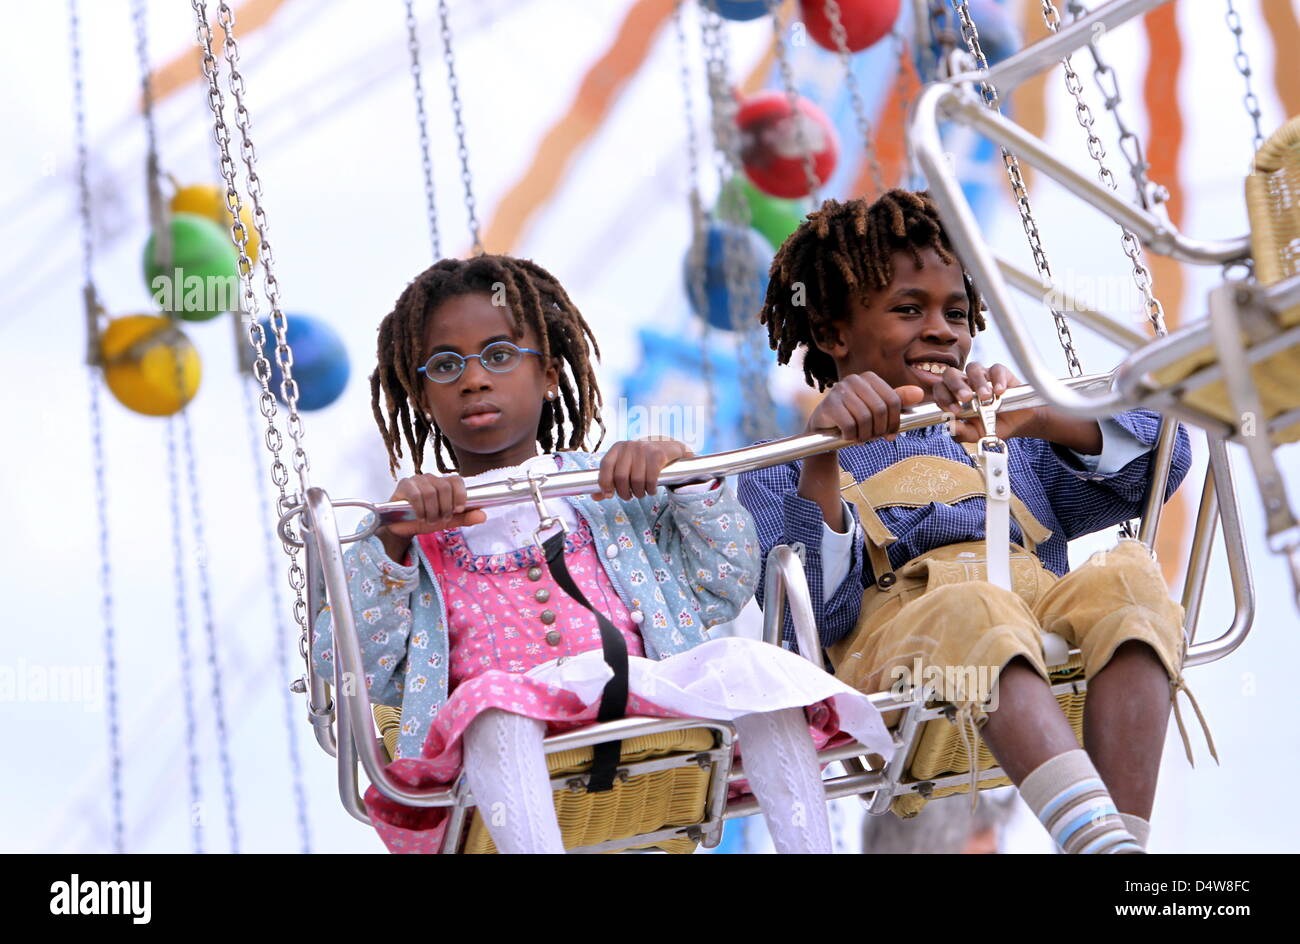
<point x="741" y="10"/>
<point x="320" y="361"/>
<point x="755" y="255"/>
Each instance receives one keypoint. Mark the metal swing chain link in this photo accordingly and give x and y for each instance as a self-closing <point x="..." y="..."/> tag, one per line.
<point x="162" y="235"/>
<point x="944" y="36"/>
<point x="792" y="96"/>
<point x="757" y="419"/>
<point x="1242" y="61"/>
<point x="1012" y="164"/>
<point x="699" y="226"/>
<point x="183" y="641"/>
<point x="865" y="131"/>
<point x="1130" y="146"/>
<point x="261" y="366"/>
<point x="1132" y="248"/>
<point x="162" y="225"/>
<point x="462" y="150"/>
<point x="426" y="160"/>
<point x="97" y="437"/>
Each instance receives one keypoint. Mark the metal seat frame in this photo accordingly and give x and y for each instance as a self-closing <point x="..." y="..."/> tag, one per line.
<point x="345" y="730"/>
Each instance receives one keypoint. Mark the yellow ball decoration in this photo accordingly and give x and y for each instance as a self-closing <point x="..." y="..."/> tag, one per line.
<point x="140" y="355"/>
<point x="209" y="201"/>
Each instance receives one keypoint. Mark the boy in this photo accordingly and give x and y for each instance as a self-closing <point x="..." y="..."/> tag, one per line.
<point x="885" y="314"/>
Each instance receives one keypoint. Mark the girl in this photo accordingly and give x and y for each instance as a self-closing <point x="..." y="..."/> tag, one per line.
<point x="885" y="317"/>
<point x="462" y="622"/>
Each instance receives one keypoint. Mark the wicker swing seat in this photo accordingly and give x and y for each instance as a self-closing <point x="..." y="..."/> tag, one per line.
<point x="1273" y="206"/>
<point x="672" y="796"/>
<point x="939" y="764"/>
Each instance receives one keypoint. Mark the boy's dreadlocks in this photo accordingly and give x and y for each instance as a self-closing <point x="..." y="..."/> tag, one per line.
<point x="535" y="299"/>
<point x="844" y="250"/>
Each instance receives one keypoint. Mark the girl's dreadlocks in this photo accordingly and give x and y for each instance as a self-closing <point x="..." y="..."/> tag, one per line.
<point x="535" y="299"/>
<point x="844" y="250"/>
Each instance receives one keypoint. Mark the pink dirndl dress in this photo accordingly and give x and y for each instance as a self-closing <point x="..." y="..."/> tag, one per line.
<point x="519" y="643"/>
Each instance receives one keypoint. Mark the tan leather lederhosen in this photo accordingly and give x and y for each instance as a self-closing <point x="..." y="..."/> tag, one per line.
<point x="862" y="656"/>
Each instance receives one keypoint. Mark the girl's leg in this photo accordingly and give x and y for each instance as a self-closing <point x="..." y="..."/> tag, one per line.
<point x="507" y="774"/>
<point x="781" y="767"/>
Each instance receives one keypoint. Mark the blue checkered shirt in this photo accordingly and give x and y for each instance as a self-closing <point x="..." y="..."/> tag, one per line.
<point x="1063" y="493"/>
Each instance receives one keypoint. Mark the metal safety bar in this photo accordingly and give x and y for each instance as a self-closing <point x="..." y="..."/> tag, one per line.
<point x="680" y="472"/>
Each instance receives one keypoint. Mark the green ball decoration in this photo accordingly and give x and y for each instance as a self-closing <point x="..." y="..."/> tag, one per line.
<point x="774" y="217"/>
<point x="204" y="278"/>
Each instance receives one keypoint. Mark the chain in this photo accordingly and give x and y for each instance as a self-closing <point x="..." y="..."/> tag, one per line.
<point x="942" y="33"/>
<point x="183" y="640"/>
<point x="1012" y="164"/>
<point x="841" y="37"/>
<point x="699" y="229"/>
<point x="209" y="632"/>
<point x="205" y="594"/>
<point x="97" y="438"/>
<point x="792" y="95"/>
<point x="1242" y="61"/>
<point x="277" y="609"/>
<point x="461" y="149"/>
<point x="1130" y="146"/>
<point x="758" y="417"/>
<point x="162" y="236"/>
<point x="413" y="44"/>
<point x="1132" y="248"/>
<point x="257" y="337"/>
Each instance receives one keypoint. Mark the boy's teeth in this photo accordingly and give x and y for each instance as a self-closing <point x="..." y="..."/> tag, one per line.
<point x="932" y="367"/>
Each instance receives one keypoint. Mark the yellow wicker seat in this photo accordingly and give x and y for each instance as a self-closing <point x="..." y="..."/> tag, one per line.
<point x="644" y="803"/>
<point x="1273" y="205"/>
<point x="938" y="751"/>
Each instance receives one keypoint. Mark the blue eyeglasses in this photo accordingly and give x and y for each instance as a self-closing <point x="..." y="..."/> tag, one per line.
<point x="500" y="357"/>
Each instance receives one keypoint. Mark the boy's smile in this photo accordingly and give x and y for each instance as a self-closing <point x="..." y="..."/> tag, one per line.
<point x="912" y="331"/>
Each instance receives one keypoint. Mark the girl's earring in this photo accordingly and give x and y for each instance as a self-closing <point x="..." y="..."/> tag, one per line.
<point x="550" y="394"/>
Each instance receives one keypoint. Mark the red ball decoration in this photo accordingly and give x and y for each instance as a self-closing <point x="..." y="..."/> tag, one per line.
<point x="772" y="147"/>
<point x="865" y="22"/>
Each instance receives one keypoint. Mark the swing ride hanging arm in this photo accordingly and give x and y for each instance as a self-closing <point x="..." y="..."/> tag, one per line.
<point x="1048" y="52"/>
<point x="965" y="233"/>
<point x="1153" y="229"/>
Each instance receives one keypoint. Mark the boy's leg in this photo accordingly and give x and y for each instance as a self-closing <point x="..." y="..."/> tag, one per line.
<point x="1028" y="728"/>
<point x="973" y="626"/>
<point x="1034" y="744"/>
<point x="1116" y="607"/>
<point x="1124" y="724"/>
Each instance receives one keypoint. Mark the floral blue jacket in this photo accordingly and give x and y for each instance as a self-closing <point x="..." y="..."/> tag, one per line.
<point x="685" y="561"/>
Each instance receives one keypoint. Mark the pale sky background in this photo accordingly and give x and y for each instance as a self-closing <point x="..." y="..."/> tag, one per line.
<point x="333" y="120"/>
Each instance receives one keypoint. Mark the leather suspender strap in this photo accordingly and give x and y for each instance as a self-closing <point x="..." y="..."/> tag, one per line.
<point x="613" y="702"/>
<point x="876" y="537"/>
